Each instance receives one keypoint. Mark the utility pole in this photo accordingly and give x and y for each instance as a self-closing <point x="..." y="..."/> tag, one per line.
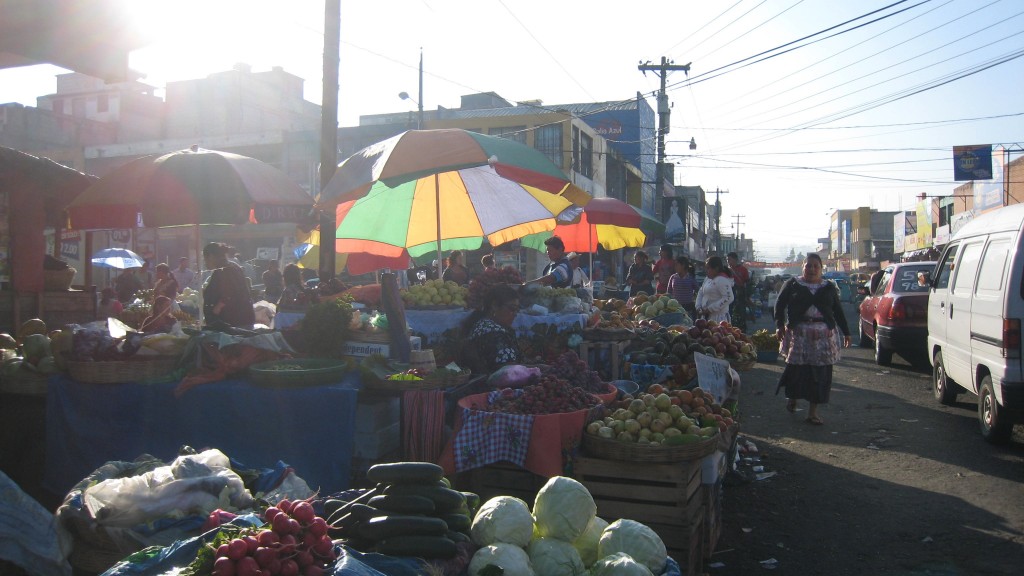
<point x="737" y="217"/>
<point x="718" y="220"/>
<point x="419" y="103"/>
<point x="664" y="111"/>
<point x="329" y="127"/>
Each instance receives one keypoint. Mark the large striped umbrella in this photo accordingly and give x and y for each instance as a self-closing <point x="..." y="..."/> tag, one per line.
<point x="440" y="190"/>
<point x="609" y="222"/>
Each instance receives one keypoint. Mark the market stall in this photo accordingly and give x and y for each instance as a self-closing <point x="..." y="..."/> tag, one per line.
<point x="309" y="428"/>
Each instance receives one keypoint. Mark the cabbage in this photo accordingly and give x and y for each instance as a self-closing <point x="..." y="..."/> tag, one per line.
<point x="586" y="544"/>
<point x="563" y="509"/>
<point x="552" y="557"/>
<point x="512" y="559"/>
<point x="619" y="564"/>
<point x="503" y="519"/>
<point x="636" y="540"/>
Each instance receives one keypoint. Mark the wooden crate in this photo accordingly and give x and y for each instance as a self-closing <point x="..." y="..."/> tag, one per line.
<point x="712" y="517"/>
<point x="666" y="497"/>
<point x="501" y="479"/>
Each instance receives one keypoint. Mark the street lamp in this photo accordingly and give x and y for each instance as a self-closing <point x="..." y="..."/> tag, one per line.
<point x="419" y="107"/>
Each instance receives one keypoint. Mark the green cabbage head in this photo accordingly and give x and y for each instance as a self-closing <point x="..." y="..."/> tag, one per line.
<point x="586" y="544"/>
<point x="552" y="557"/>
<point x="563" y="509"/>
<point x="636" y="540"/>
<point x="619" y="564"/>
<point x="503" y="519"/>
<point x="511" y="559"/>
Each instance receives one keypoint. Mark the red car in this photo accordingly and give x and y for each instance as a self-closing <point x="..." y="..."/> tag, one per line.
<point x="894" y="314"/>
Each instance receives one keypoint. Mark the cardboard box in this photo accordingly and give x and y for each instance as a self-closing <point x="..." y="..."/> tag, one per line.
<point x="361" y="349"/>
<point x="377" y="444"/>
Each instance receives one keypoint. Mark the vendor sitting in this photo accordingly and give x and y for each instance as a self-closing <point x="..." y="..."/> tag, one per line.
<point x="160" y="319"/>
<point x="295" y="296"/>
<point x="488" y="339"/>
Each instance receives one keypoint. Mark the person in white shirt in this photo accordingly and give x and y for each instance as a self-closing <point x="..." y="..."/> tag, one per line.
<point x="579" y="281"/>
<point x="183" y="274"/>
<point x="715" y="294"/>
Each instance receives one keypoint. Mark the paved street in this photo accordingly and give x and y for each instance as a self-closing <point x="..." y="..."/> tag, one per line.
<point x="893" y="483"/>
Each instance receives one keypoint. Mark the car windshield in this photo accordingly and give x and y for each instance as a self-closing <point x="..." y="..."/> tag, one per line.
<point x="905" y="278"/>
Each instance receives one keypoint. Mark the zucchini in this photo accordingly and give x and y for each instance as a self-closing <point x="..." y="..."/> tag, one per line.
<point x="398" y="526"/>
<point x="457" y="522"/>
<point x="405" y="473"/>
<point x="354" y="512"/>
<point x="419" y="546"/>
<point x="444" y="498"/>
<point x="405" y="504"/>
<point x="457" y="537"/>
<point x="331" y="506"/>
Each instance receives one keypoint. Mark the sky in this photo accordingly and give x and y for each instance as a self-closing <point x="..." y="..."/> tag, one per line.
<point x="798" y="107"/>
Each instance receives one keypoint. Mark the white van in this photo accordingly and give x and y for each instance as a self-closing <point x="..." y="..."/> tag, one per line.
<point x="975" y="307"/>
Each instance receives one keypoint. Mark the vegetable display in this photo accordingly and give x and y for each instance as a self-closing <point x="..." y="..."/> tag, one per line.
<point x="665" y="417"/>
<point x="569" y="367"/>
<point x="551" y="396"/>
<point x="435" y="293"/>
<point x="412" y="512"/>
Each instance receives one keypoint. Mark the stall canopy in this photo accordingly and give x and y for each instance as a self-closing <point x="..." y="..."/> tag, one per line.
<point x="38" y="190"/>
<point x="93" y="37"/>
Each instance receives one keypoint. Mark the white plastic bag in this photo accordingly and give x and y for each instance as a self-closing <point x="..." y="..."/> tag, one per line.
<point x="193" y="484"/>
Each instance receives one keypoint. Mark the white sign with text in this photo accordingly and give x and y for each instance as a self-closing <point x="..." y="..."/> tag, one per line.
<point x="713" y="375"/>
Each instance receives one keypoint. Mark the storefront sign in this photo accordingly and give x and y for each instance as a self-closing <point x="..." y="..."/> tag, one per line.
<point x="972" y="162"/>
<point x="942" y="235"/>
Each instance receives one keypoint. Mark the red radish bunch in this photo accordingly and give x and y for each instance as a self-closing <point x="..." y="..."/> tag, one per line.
<point x="296" y="544"/>
<point x="551" y="396"/>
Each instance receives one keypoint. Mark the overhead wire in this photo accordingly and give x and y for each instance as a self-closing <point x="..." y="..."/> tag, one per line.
<point x="744" y="34"/>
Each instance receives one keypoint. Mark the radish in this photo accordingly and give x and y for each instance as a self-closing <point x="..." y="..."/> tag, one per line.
<point x="289" y="568"/>
<point x="267" y="538"/>
<point x="251" y="543"/>
<point x="224" y="566"/>
<point x="294" y="527"/>
<point x="303" y="512"/>
<point x="285" y="505"/>
<point x="247" y="567"/>
<point x="312" y="571"/>
<point x="269" y="514"/>
<point x="265" y="556"/>
<point x="318" y="526"/>
<point x="275" y="566"/>
<point x="222" y="550"/>
<point x="324" y="547"/>
<point x="237" y="549"/>
<point x="304" y="558"/>
<point x="280" y="524"/>
<point x="309" y="539"/>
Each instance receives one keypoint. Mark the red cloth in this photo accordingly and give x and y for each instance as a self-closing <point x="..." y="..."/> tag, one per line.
<point x="664" y="268"/>
<point x="226" y="361"/>
<point x="740" y="275"/>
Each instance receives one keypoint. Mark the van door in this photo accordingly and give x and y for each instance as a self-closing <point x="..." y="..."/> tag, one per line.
<point x="938" y="300"/>
<point x="957" y="353"/>
<point x="988" y="308"/>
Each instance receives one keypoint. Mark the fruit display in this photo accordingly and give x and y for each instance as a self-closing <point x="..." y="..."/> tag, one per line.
<point x="569" y="367"/>
<point x="479" y="285"/>
<point x="677" y="345"/>
<point x="554" y="299"/>
<point x="615" y="315"/>
<point x="663" y="417"/>
<point x="648" y="307"/>
<point x="412" y="511"/>
<point x="293" y="541"/>
<point x="434" y="293"/>
<point x="552" y="395"/>
<point x="765" y="340"/>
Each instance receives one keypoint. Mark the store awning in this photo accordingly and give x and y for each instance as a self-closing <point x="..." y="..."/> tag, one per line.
<point x="93" y="37"/>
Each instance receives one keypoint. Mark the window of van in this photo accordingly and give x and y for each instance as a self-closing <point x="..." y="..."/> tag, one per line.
<point x="967" y="268"/>
<point x="993" y="266"/>
<point x="946" y="268"/>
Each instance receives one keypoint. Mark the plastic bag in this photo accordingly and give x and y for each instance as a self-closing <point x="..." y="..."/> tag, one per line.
<point x="193" y="483"/>
<point x="513" y="376"/>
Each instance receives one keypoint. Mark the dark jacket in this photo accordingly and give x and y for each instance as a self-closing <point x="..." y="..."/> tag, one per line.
<point x="795" y="299"/>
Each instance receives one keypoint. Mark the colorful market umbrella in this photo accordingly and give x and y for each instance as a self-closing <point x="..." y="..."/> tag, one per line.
<point x="609" y="222"/>
<point x="120" y="258"/>
<point x="308" y="254"/>
<point x="440" y="190"/>
<point x="193" y="186"/>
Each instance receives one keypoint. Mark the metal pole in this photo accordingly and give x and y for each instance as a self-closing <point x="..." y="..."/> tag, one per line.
<point x="329" y="127"/>
<point x="419" y="102"/>
<point x="437" y="211"/>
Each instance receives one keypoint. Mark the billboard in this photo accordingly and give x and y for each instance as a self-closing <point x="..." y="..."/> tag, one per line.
<point x="972" y="162"/>
<point x="988" y="194"/>
<point x="924" y="224"/>
<point x="899" y="231"/>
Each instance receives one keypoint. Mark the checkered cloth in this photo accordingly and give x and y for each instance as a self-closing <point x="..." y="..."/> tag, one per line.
<point x="488" y="437"/>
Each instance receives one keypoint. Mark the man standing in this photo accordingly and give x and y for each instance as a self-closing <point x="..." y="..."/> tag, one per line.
<point x="183" y="274"/>
<point x="740" y="277"/>
<point x="557" y="274"/>
<point x="664" y="268"/>
<point x="273" y="282"/>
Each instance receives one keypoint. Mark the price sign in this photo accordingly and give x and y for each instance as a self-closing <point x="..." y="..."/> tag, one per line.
<point x="713" y="375"/>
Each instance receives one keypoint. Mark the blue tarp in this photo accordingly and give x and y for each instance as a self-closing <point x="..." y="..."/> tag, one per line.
<point x="310" y="428"/>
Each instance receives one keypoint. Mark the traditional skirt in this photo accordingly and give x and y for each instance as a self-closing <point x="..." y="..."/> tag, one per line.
<point x="810" y="349"/>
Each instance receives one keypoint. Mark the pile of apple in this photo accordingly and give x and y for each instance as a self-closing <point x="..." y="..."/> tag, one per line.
<point x="722" y="340"/>
<point x="663" y="418"/>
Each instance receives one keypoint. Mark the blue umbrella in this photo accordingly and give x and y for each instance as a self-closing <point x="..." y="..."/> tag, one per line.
<point x="120" y="258"/>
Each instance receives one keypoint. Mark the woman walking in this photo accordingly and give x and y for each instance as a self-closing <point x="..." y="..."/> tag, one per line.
<point x="808" y="318"/>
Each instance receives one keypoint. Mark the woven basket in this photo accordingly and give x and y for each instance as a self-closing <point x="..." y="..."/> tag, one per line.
<point x="58" y="280"/>
<point x="24" y="381"/>
<point x="299" y="373"/>
<point x="134" y="369"/>
<point x="631" y="452"/>
<point x="744" y="365"/>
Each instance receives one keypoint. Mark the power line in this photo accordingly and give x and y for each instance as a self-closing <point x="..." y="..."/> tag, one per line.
<point x="862" y="126"/>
